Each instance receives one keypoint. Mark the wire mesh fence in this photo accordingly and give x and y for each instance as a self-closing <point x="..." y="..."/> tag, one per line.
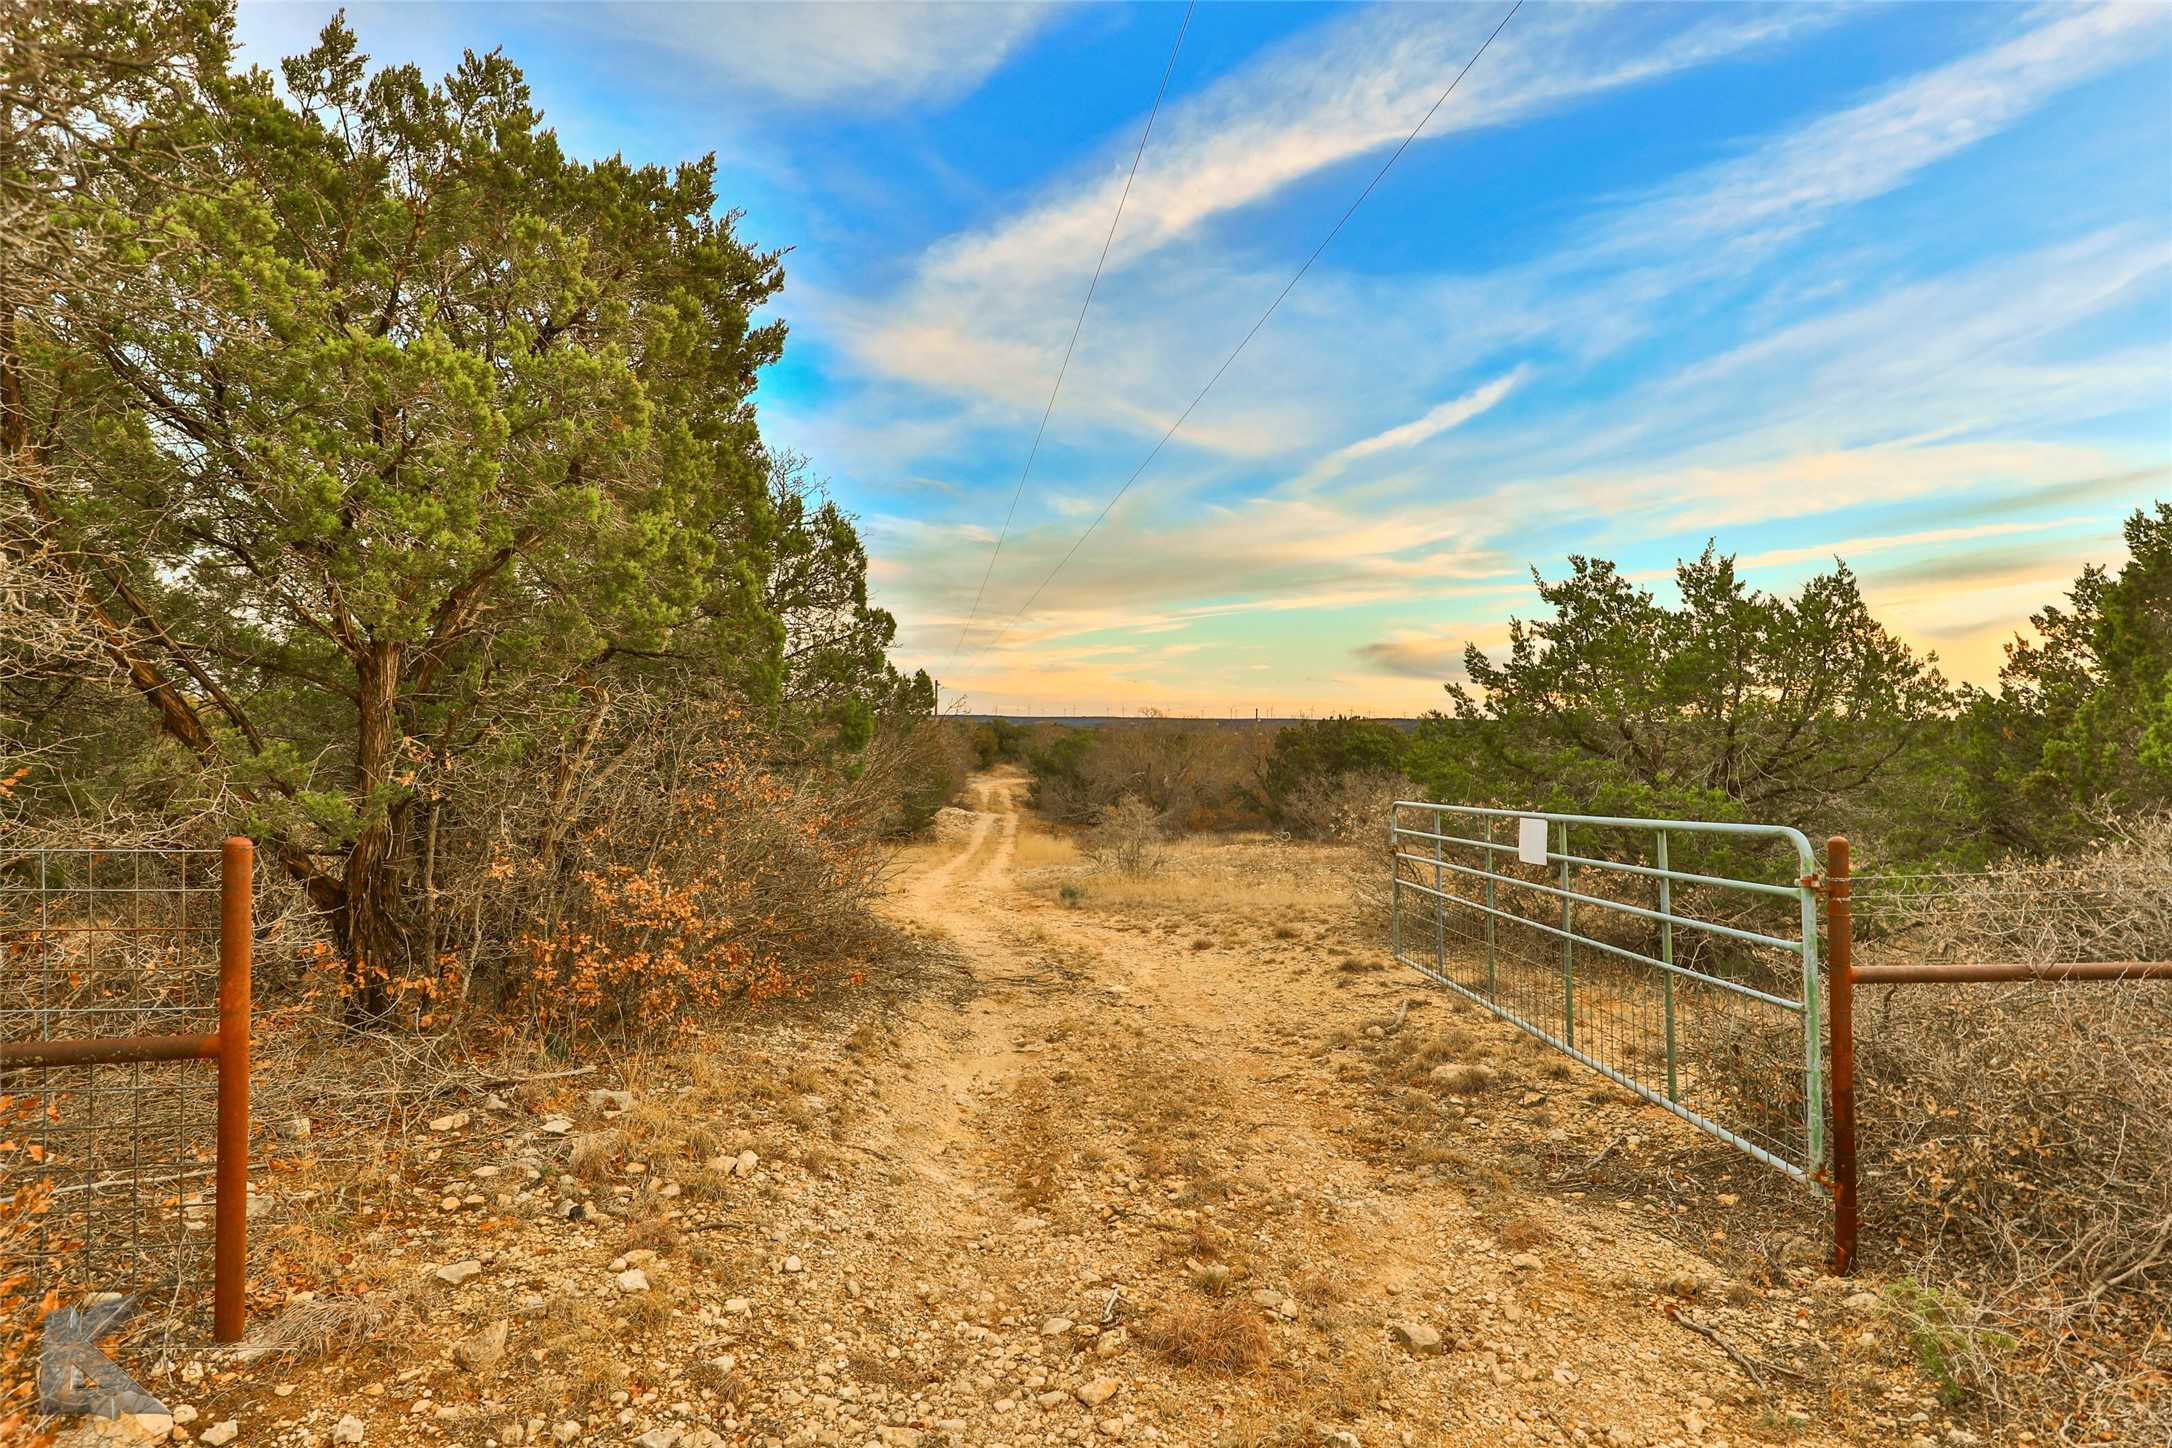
<point x="1677" y="958"/>
<point x="99" y="945"/>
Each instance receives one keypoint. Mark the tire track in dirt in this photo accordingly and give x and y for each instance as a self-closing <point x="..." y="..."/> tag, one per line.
<point x="1186" y="1068"/>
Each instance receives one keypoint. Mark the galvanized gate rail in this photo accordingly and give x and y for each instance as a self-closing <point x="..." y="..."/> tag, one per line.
<point x="1748" y="984"/>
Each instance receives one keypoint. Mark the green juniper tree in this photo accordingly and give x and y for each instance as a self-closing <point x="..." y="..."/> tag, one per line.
<point x="423" y="436"/>
<point x="1733" y="703"/>
<point x="2080" y="728"/>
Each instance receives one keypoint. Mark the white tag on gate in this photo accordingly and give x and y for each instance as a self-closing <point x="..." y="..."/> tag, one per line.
<point x="1531" y="840"/>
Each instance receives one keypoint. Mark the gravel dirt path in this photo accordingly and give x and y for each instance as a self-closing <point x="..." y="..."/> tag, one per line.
<point x="1169" y="1169"/>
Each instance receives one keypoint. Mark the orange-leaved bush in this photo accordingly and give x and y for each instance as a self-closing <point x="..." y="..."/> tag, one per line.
<point x="729" y="882"/>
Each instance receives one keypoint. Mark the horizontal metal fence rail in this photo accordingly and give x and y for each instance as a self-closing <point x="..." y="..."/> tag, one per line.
<point x="1698" y="990"/>
<point x="1846" y="975"/>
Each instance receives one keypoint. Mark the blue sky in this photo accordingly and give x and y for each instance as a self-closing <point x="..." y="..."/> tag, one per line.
<point x="1891" y="283"/>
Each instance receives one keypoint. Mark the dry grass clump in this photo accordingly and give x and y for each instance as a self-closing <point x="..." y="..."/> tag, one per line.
<point x="656" y="1233"/>
<point x="1464" y="1078"/>
<point x="1218" y="1339"/>
<point x="1523" y="1232"/>
<point x="584" y="1348"/>
<point x="1034" y="850"/>
<point x="1189" y="884"/>
<point x="1260" y="879"/>
<point x="653" y="1309"/>
<point x="1352" y="1383"/>
<point x="591" y="1155"/>
<point x="1318" y="1289"/>
<point x="326" y="1324"/>
<point x="1422" y="1051"/>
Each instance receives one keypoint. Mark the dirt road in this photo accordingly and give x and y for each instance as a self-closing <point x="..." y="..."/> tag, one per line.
<point x="1183" y="1119"/>
<point x="1172" y="1161"/>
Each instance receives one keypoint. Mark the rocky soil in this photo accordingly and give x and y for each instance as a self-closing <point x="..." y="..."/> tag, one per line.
<point x="1186" y="1173"/>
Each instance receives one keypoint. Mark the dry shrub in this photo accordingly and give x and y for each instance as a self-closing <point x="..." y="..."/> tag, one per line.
<point x="1226" y="1339"/>
<point x="1346" y="809"/>
<point x="1195" y="775"/>
<point x="2016" y="1141"/>
<point x="2112" y="902"/>
<point x="1128" y="839"/>
<point x="2026" y="1125"/>
<point x="704" y="877"/>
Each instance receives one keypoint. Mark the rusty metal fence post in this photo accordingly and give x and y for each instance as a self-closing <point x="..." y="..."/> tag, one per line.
<point x="1846" y="975"/>
<point x="230" y="1240"/>
<point x="1840" y="971"/>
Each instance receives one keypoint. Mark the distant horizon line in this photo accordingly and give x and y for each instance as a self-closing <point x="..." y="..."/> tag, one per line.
<point x="1149" y="712"/>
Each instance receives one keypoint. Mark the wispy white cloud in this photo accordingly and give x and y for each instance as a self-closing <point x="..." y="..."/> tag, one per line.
<point x="981" y="317"/>
<point x="1333" y="94"/>
<point x="978" y="323"/>
<point x="1791" y="182"/>
<point x="1829" y="413"/>
<point x="1436" y="420"/>
<point x="1154" y="569"/>
<point x="855" y="57"/>
<point x="1956" y="380"/>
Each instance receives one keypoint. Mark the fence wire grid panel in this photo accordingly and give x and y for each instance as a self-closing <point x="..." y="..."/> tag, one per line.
<point x="97" y="944"/>
<point x="1679" y="958"/>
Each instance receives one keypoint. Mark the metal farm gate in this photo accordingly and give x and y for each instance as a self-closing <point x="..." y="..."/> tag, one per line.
<point x="1678" y="958"/>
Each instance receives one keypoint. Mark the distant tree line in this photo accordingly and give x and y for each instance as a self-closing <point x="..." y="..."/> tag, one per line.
<point x="1730" y="703"/>
<point x="384" y="481"/>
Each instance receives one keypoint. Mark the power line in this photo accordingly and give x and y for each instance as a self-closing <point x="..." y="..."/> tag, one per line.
<point x="1333" y="231"/>
<point x="1065" y="366"/>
